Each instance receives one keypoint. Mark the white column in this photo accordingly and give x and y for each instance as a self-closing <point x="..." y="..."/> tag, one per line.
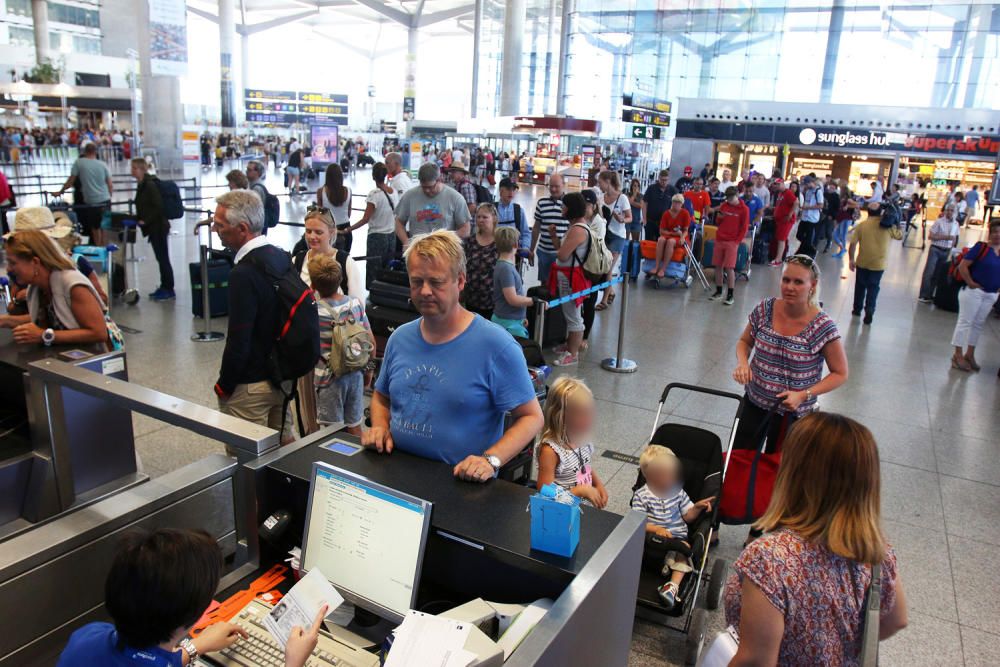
<point x="40" y="19"/>
<point x="162" y="114"/>
<point x="244" y="74"/>
<point x="564" y="28"/>
<point x="515" y="14"/>
<point x="227" y="35"/>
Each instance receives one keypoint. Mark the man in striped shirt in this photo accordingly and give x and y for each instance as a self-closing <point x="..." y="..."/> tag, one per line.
<point x="548" y="211"/>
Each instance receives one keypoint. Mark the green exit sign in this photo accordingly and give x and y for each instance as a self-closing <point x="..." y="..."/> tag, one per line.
<point x="645" y="132"/>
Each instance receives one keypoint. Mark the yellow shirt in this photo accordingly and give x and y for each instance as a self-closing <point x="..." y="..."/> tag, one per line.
<point x="874" y="243"/>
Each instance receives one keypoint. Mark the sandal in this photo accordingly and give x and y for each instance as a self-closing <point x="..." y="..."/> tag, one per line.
<point x="959" y="363"/>
<point x="973" y="365"/>
<point x="601" y="306"/>
<point x="611" y="298"/>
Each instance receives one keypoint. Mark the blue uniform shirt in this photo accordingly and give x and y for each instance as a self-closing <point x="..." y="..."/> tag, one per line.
<point x="447" y="401"/>
<point x="97" y="644"/>
<point x="754" y="204"/>
<point x="505" y="214"/>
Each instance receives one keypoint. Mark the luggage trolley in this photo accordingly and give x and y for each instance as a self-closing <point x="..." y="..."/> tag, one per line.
<point x="704" y="471"/>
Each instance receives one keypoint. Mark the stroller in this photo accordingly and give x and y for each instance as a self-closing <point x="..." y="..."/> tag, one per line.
<point x="700" y="453"/>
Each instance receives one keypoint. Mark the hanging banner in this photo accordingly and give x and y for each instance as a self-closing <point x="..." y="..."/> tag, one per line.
<point x="168" y="37"/>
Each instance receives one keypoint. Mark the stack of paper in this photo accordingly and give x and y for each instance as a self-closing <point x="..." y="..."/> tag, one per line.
<point x="430" y="641"/>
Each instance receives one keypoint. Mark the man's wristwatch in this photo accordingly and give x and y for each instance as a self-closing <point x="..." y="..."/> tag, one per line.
<point x="48" y="337"/>
<point x="495" y="462"/>
<point x="188" y="647"/>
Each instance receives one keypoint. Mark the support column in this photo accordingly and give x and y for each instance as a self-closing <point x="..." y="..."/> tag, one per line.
<point x="550" y="58"/>
<point x="244" y="73"/>
<point x="477" y="32"/>
<point x="515" y="15"/>
<point x="410" y="80"/>
<point x="227" y="35"/>
<point x="567" y="16"/>
<point x="832" y="50"/>
<point x="40" y="19"/>
<point x="162" y="115"/>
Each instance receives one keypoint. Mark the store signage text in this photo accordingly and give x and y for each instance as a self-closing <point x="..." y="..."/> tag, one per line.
<point x="974" y="145"/>
<point x="809" y="136"/>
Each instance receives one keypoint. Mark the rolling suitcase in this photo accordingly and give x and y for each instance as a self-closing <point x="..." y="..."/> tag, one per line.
<point x="706" y="253"/>
<point x="945" y="289"/>
<point x="391" y="296"/>
<point x="218" y="287"/>
<point x="532" y="351"/>
<point x="555" y="322"/>
<point x="385" y="319"/>
<point x="632" y="260"/>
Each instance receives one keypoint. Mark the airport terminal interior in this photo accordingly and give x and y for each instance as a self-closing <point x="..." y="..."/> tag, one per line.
<point x="894" y="103"/>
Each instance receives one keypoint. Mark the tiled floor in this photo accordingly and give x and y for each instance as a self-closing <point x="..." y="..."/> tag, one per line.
<point x="941" y="476"/>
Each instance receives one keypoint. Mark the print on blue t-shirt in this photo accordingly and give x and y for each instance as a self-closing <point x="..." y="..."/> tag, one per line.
<point x="448" y="401"/>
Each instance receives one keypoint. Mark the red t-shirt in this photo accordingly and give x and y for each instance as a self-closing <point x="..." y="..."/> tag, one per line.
<point x="784" y="205"/>
<point x="733" y="221"/>
<point x="699" y="201"/>
<point x="675" y="226"/>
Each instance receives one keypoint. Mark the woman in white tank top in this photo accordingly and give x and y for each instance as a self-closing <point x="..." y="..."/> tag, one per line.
<point x="332" y="191"/>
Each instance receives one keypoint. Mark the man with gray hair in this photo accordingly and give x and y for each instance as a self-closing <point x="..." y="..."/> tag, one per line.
<point x="399" y="179"/>
<point x="431" y="207"/>
<point x="243" y="388"/>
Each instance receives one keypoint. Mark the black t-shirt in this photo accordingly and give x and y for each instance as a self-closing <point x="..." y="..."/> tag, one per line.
<point x="295" y="160"/>
<point x="684" y="183"/>
<point x="657" y="202"/>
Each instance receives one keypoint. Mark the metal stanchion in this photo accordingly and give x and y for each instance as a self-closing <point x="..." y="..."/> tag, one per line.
<point x="111" y="248"/>
<point x="539" y="322"/>
<point x="206" y="335"/>
<point x="618" y="364"/>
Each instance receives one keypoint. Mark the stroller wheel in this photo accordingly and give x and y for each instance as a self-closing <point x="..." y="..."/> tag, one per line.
<point x="720" y="572"/>
<point x="695" y="637"/>
<point x="131" y="297"/>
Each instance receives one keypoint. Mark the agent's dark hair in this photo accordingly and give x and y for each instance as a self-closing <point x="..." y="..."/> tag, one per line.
<point x="160" y="581"/>
<point x="379" y="172"/>
<point x="576" y="206"/>
<point x="335" y="190"/>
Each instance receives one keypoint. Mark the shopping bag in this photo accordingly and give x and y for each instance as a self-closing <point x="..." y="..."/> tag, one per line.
<point x="749" y="481"/>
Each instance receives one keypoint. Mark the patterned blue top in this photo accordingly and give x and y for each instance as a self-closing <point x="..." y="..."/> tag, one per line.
<point x="667" y="511"/>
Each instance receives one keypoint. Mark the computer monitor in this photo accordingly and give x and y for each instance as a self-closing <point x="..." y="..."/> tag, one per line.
<point x="367" y="539"/>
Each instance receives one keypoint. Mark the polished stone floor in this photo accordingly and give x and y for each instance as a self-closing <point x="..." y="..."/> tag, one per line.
<point x="941" y="469"/>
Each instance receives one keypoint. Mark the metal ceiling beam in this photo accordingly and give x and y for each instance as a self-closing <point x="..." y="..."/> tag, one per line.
<point x="387" y="11"/>
<point x="274" y="23"/>
<point x="444" y="15"/>
<point x="208" y="16"/>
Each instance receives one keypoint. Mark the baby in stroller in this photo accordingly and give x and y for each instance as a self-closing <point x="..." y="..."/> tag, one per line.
<point x="668" y="510"/>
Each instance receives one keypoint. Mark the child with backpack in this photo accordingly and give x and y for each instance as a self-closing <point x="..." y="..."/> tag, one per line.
<point x="346" y="344"/>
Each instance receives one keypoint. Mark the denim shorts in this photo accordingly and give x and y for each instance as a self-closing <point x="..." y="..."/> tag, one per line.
<point x="342" y="401"/>
<point x="614" y="242"/>
<point x="292" y="171"/>
<point x="634" y="227"/>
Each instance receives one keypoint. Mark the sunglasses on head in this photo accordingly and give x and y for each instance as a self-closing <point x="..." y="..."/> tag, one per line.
<point x="312" y="208"/>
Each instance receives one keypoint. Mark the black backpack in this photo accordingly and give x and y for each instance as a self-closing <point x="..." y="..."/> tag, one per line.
<point x="272" y="207"/>
<point x="891" y="216"/>
<point x="170" y="196"/>
<point x="483" y="195"/>
<point x="296" y="342"/>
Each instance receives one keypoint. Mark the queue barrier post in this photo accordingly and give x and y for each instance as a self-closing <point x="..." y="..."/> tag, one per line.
<point x="206" y="335"/>
<point x="111" y="249"/>
<point x="618" y="363"/>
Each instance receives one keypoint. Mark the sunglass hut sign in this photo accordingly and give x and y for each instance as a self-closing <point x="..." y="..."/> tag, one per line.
<point x="918" y="143"/>
<point x="850" y="138"/>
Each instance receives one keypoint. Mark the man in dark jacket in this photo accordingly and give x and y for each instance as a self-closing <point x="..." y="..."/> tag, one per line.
<point x="243" y="387"/>
<point x="154" y="225"/>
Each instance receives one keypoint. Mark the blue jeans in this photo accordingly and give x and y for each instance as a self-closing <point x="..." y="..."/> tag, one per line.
<point x="935" y="255"/>
<point x="381" y="251"/>
<point x="544" y="259"/>
<point x="840" y="233"/>
<point x="343" y="400"/>
<point x="866" y="287"/>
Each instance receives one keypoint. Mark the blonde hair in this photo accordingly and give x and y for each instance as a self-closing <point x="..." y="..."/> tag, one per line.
<point x="563" y="393"/>
<point x="443" y="245"/>
<point x="491" y="209"/>
<point x="611" y="177"/>
<point x="655" y="456"/>
<point x="807" y="262"/>
<point x="325" y="274"/>
<point x="30" y="244"/>
<point x="828" y="488"/>
<point x="506" y="239"/>
<point x="325" y="217"/>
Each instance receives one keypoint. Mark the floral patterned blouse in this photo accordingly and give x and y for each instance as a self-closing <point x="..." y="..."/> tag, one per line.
<point x="480" y="261"/>
<point x="821" y="596"/>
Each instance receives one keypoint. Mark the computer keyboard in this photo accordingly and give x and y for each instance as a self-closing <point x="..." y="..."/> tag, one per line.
<point x="261" y="650"/>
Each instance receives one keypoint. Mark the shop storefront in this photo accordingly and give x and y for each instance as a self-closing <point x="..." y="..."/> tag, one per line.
<point x="931" y="162"/>
<point x="558" y="146"/>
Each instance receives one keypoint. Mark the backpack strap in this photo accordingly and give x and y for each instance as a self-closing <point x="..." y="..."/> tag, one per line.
<point x="342" y="257"/>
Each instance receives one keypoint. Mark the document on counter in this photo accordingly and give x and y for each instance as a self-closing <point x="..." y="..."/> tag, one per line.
<point x="430" y="641"/>
<point x="301" y="604"/>
<point x="522" y="626"/>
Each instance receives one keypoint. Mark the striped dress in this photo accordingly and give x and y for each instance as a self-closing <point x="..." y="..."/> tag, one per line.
<point x="786" y="363"/>
<point x="574" y="464"/>
<point x="667" y="511"/>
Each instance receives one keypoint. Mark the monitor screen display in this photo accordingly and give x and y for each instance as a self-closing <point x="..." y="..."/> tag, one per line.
<point x="367" y="539"/>
<point x="324" y="140"/>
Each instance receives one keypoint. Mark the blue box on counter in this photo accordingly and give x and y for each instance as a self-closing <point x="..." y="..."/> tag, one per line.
<point x="555" y="521"/>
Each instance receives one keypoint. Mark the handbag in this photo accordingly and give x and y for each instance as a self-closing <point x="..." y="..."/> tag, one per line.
<point x="749" y="480"/>
<point x="725" y="644"/>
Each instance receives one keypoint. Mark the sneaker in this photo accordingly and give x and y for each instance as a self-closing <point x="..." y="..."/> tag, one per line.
<point x="867" y="320"/>
<point x="668" y="594"/>
<point x="729" y="300"/>
<point x="716" y="296"/>
<point x="560" y="349"/>
<point x="163" y="295"/>
<point x="566" y="359"/>
<point x="924" y="299"/>
<point x="855" y="313"/>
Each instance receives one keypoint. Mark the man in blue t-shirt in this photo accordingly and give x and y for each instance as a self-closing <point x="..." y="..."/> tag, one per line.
<point x="448" y="378"/>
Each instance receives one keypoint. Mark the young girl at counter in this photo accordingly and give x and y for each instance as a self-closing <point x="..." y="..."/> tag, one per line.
<point x="564" y="457"/>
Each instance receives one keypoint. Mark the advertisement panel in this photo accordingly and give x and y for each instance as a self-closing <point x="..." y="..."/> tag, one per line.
<point x="168" y="37"/>
<point x="324" y="139"/>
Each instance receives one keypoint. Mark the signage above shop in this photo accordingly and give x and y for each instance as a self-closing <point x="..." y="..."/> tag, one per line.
<point x="842" y="138"/>
<point x="645" y="132"/>
<point x="645" y="117"/>
<point x="560" y="124"/>
<point x="640" y="101"/>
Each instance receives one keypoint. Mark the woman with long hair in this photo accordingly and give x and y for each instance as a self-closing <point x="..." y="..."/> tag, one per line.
<point x="797" y="595"/>
<point x="321" y="239"/>
<point x="380" y="207"/>
<point x="480" y="261"/>
<point x="334" y="196"/>
<point x="980" y="272"/>
<point x="617" y="212"/>
<point x="843" y="219"/>
<point x="567" y="275"/>
<point x="635" y="202"/>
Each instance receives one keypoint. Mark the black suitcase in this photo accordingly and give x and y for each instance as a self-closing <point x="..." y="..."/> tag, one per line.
<point x="945" y="289"/>
<point x="761" y="247"/>
<point x="532" y="351"/>
<point x="391" y="296"/>
<point x="384" y="320"/>
<point x="218" y="287"/>
<point x="394" y="274"/>
<point x="555" y="323"/>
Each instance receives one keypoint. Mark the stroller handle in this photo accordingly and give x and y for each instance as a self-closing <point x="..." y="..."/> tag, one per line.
<point x="700" y="390"/>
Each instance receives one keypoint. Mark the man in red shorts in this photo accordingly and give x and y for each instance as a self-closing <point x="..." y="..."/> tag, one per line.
<point x="786" y="205"/>
<point x="733" y="220"/>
